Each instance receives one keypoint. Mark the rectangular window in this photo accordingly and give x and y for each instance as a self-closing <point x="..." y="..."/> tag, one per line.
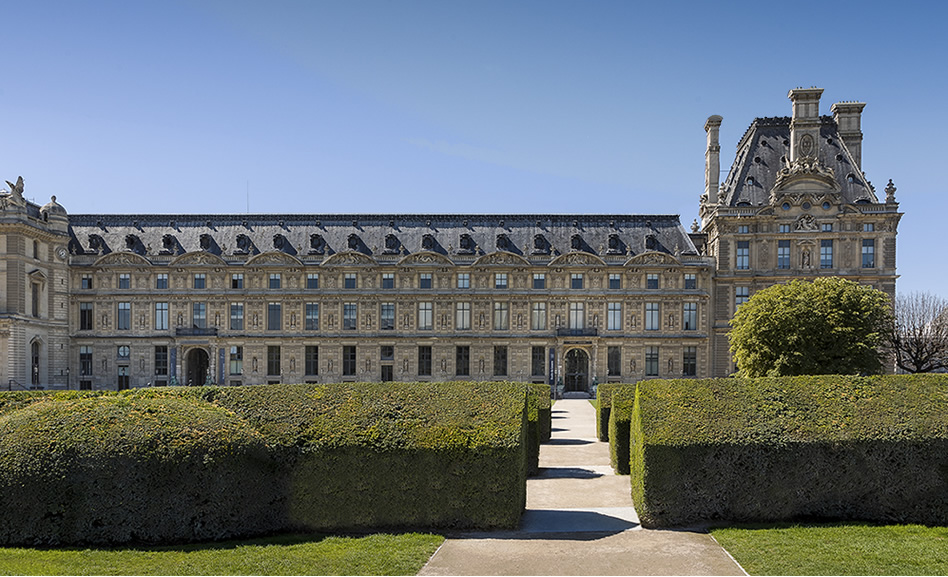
<point x="576" y="280"/>
<point x="614" y="361"/>
<point x="651" y="361"/>
<point x="689" y="316"/>
<point x="85" y="316"/>
<point x="274" y="316"/>
<point x="424" y="361"/>
<point x="614" y="319"/>
<point x="539" y="280"/>
<point x="500" y="280"/>
<point x="577" y="316"/>
<point x="464" y="280"/>
<point x="161" y="316"/>
<point x="615" y="280"/>
<point x="784" y="228"/>
<point x="124" y="352"/>
<point x="199" y="315"/>
<point x="538" y="316"/>
<point x="311" y="360"/>
<point x="826" y="253"/>
<point x="501" y="316"/>
<point x="348" y="361"/>
<point x="826" y="227"/>
<point x="276" y="281"/>
<point x="350" y="316"/>
<point x="388" y="280"/>
<point x="86" y="283"/>
<point x="868" y="227"/>
<point x="652" y="317"/>
<point x="387" y="352"/>
<point x="273" y="360"/>
<point x="236" y="360"/>
<point x="424" y="280"/>
<point x="349" y="280"/>
<point x="200" y="280"/>
<point x="689" y="362"/>
<point x="741" y="295"/>
<point x="462" y="361"/>
<point x="237" y="280"/>
<point x="691" y="281"/>
<point x="387" y="317"/>
<point x="161" y="360"/>
<point x="743" y="229"/>
<point x="236" y="316"/>
<point x="651" y="281"/>
<point x="783" y="254"/>
<point x="125" y="281"/>
<point x="500" y="361"/>
<point x="124" y="321"/>
<point x="743" y="254"/>
<point x="462" y="321"/>
<point x="868" y="253"/>
<point x="425" y="314"/>
<point x="85" y="360"/>
<point x="538" y="361"/>
<point x="312" y="280"/>
<point x="312" y="316"/>
<point x="161" y="281"/>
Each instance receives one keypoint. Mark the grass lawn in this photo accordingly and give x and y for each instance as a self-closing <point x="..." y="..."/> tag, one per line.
<point x="282" y="555"/>
<point x="840" y="549"/>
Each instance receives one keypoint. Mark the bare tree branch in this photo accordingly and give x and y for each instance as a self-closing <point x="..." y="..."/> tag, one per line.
<point x="919" y="335"/>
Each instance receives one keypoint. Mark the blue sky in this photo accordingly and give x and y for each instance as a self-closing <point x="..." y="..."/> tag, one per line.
<point x="454" y="107"/>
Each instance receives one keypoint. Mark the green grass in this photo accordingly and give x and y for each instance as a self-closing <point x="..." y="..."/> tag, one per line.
<point x="841" y="549"/>
<point x="282" y="555"/>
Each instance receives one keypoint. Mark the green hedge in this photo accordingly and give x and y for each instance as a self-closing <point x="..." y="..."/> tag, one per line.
<point x="539" y="417"/>
<point x="620" y="417"/>
<point x="835" y="447"/>
<point x="187" y="464"/>
<point x="604" y="408"/>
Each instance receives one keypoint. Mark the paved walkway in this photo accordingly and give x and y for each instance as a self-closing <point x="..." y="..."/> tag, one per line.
<point x="580" y="521"/>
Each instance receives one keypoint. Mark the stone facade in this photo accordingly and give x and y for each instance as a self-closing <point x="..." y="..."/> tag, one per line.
<point x="115" y="301"/>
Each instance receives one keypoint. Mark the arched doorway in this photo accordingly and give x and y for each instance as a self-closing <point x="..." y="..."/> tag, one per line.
<point x="196" y="369"/>
<point x="577" y="370"/>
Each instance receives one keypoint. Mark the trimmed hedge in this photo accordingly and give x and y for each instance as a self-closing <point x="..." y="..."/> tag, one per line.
<point x="620" y="418"/>
<point x="540" y="419"/>
<point x="604" y="408"/>
<point x="188" y="464"/>
<point x="835" y="447"/>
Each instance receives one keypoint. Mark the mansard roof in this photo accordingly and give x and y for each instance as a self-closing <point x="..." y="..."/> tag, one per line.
<point x="763" y="151"/>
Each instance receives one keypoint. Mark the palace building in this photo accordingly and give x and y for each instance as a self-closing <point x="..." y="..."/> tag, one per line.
<point x="118" y="301"/>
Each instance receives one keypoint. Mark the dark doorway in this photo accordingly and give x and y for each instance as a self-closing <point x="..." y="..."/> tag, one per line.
<point x="123" y="378"/>
<point x="197" y="368"/>
<point x="387" y="373"/>
<point x="577" y="371"/>
<point x="35" y="364"/>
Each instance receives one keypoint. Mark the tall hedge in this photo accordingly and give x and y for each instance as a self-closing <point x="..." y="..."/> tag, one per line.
<point x="835" y="447"/>
<point x="604" y="408"/>
<point x="620" y="418"/>
<point x="539" y="423"/>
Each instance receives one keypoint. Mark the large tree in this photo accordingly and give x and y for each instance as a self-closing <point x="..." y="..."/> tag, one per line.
<point x="919" y="337"/>
<point x="830" y="325"/>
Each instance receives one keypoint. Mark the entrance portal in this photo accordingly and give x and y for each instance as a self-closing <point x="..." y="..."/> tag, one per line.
<point x="577" y="371"/>
<point x="196" y="371"/>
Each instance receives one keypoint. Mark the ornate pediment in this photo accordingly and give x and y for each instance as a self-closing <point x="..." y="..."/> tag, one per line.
<point x="199" y="258"/>
<point x="349" y="258"/>
<point x="423" y="258"/>
<point x="577" y="259"/>
<point x="501" y="258"/>
<point x="805" y="172"/>
<point x="652" y="257"/>
<point x="122" y="259"/>
<point x="273" y="258"/>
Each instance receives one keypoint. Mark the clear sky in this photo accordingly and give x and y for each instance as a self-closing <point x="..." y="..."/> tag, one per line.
<point x="207" y="106"/>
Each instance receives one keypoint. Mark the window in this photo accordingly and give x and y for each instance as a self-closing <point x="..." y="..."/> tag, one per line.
<point x="741" y="295"/>
<point x="236" y="316"/>
<point x="783" y="254"/>
<point x="199" y="315"/>
<point x="615" y="280"/>
<point x="743" y="229"/>
<point x="462" y="361"/>
<point x="652" y="320"/>
<point x="350" y="316"/>
<point x="85" y="316"/>
<point x="161" y="316"/>
<point x="868" y="227"/>
<point x="161" y="281"/>
<point x="349" y="280"/>
<point x="784" y="228"/>
<point x="311" y="360"/>
<point x="826" y="253"/>
<point x="85" y="360"/>
<point x="276" y="281"/>
<point x="387" y="317"/>
<point x="388" y="280"/>
<point x="501" y="316"/>
<point x="651" y="281"/>
<point x="826" y="227"/>
<point x="539" y="280"/>
<point x="500" y="361"/>
<point x="689" y="316"/>
<point x="124" y="321"/>
<point x="464" y="280"/>
<point x="387" y="352"/>
<point x="462" y="320"/>
<point x="236" y="360"/>
<point x="35" y="298"/>
<point x="125" y="281"/>
<point x="312" y="316"/>
<point x="312" y="280"/>
<point x="689" y="362"/>
<point x="425" y="315"/>
<point x="868" y="253"/>
<point x="274" y="316"/>
<point x="538" y="361"/>
<point x="576" y="280"/>
<point x="577" y="316"/>
<point x="237" y="280"/>
<point x="743" y="254"/>
<point x="614" y="361"/>
<point x="161" y="360"/>
<point x="538" y="316"/>
<point x="273" y="360"/>
<point x="200" y="280"/>
<point x="614" y="318"/>
<point x="651" y="361"/>
<point x="124" y="352"/>
<point x="86" y="283"/>
<point x="500" y="280"/>
<point x="424" y="280"/>
<point x="424" y="361"/>
<point x="36" y="249"/>
<point x="348" y="361"/>
<point x="691" y="281"/>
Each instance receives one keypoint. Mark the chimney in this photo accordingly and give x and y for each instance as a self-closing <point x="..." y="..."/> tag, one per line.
<point x="712" y="159"/>
<point x="848" y="117"/>
<point x="805" y="125"/>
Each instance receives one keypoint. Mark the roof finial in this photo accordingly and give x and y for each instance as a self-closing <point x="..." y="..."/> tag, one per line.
<point x="890" y="192"/>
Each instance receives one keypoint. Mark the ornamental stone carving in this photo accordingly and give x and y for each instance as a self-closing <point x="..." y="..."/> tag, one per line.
<point x="806" y="222"/>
